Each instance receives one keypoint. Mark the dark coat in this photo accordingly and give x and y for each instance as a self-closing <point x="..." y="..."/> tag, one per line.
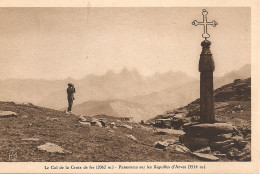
<point x="70" y="92"/>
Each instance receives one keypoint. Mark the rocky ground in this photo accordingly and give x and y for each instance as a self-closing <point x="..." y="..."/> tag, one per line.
<point x="23" y="137"/>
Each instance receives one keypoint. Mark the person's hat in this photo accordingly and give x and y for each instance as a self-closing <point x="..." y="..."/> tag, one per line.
<point x="70" y="84"/>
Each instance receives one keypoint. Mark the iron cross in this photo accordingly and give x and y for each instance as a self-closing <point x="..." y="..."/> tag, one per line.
<point x="205" y="23"/>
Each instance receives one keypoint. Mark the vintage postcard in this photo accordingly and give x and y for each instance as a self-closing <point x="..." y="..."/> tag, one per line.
<point x="129" y="87"/>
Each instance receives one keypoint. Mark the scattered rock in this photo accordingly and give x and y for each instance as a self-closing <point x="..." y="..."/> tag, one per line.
<point x="30" y="139"/>
<point x="204" y="150"/>
<point x="131" y="137"/>
<point x="219" y="155"/>
<point x="82" y="119"/>
<point x="7" y="114"/>
<point x="178" y="148"/>
<point x="127" y="126"/>
<point x="85" y="123"/>
<point x="52" y="148"/>
<point x="103" y="124"/>
<point x="99" y="124"/>
<point x="164" y="143"/>
<point x="207" y="157"/>
<point x="160" y="145"/>
<point x="169" y="131"/>
<point x="55" y="119"/>
<point x="238" y="108"/>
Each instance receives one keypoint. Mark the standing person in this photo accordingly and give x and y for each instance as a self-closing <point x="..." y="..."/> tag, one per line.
<point x="70" y="95"/>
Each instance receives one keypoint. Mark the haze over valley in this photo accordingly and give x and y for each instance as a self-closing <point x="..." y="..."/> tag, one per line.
<point x="127" y="93"/>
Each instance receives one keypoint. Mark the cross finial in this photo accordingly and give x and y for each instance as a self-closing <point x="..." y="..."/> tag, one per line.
<point x="205" y="23"/>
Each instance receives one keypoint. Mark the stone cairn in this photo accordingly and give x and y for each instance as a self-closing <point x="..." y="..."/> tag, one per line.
<point x="206" y="138"/>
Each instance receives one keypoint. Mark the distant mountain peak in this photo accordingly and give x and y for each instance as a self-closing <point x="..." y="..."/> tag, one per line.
<point x="125" y="70"/>
<point x="110" y="73"/>
<point x="243" y="72"/>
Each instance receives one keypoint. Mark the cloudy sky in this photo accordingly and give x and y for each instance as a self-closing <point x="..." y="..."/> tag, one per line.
<point x="56" y="43"/>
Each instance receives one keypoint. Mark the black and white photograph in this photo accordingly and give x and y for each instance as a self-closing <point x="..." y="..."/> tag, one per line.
<point x="125" y="84"/>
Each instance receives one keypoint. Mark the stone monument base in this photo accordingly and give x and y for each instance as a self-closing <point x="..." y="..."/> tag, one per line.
<point x="219" y="139"/>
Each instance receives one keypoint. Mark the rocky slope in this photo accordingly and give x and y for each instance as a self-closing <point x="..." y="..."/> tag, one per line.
<point x="233" y="114"/>
<point x="44" y="135"/>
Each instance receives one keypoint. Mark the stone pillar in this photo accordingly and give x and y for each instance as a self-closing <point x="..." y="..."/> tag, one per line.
<point x="206" y="68"/>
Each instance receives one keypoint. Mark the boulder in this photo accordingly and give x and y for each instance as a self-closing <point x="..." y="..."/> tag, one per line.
<point x="50" y="147"/>
<point x="222" y="137"/>
<point x="7" y="114"/>
<point x="164" y="143"/>
<point x="209" y="130"/>
<point x="177" y="147"/>
<point x="194" y="143"/>
<point x="222" y="146"/>
<point x="206" y="157"/>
